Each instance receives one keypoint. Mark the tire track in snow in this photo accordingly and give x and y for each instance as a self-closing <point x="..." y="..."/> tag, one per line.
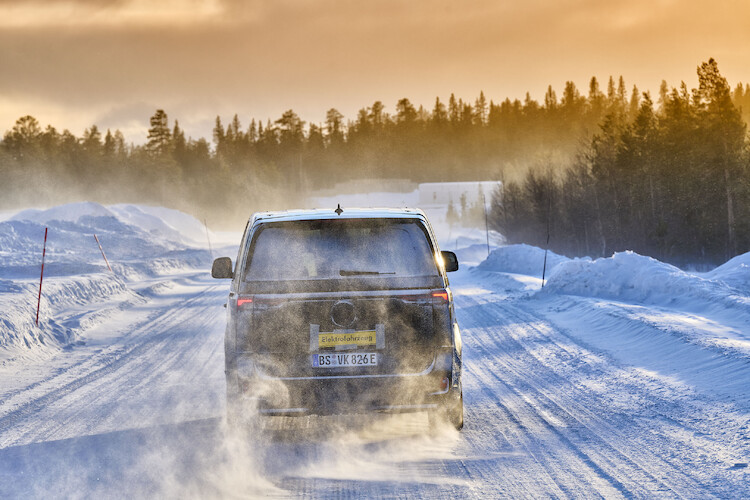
<point x="586" y="439"/>
<point x="139" y="346"/>
<point x="562" y="478"/>
<point x="116" y="395"/>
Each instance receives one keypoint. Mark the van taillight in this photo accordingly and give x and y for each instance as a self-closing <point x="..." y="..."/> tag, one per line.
<point x="441" y="317"/>
<point x="244" y="300"/>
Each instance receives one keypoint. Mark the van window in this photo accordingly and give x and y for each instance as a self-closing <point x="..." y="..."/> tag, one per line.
<point x="335" y="249"/>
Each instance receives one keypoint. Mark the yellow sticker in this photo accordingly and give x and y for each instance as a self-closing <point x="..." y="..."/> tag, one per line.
<point x="332" y="339"/>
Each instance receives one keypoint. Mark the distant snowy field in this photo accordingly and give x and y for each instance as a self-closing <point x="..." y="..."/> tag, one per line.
<point x="622" y="376"/>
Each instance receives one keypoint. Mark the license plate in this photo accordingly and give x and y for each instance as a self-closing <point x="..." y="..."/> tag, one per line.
<point x="332" y="360"/>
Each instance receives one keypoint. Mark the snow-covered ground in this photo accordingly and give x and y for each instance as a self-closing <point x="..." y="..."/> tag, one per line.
<point x="622" y="377"/>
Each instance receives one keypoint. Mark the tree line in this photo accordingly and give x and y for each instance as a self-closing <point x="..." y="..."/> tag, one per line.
<point x="606" y="168"/>
<point x="670" y="180"/>
<point x="261" y="164"/>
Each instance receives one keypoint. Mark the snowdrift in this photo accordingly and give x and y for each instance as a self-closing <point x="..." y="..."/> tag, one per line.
<point x="630" y="277"/>
<point x="735" y="273"/>
<point x="521" y="259"/>
<point x="68" y="306"/>
<point x="79" y="290"/>
<point x="134" y="241"/>
<point x="639" y="310"/>
<point x="627" y="277"/>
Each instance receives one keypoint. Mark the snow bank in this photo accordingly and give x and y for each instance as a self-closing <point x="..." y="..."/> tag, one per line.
<point x="140" y="242"/>
<point x="627" y="276"/>
<point x="67" y="305"/>
<point x="173" y="224"/>
<point x="735" y="272"/>
<point x="132" y="238"/>
<point x="160" y="222"/>
<point x="70" y="212"/>
<point x="521" y="259"/>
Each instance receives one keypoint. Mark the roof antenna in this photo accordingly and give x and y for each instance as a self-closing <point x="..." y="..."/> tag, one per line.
<point x="339" y="210"/>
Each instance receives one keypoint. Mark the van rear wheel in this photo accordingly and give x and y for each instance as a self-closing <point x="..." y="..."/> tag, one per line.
<point x="451" y="412"/>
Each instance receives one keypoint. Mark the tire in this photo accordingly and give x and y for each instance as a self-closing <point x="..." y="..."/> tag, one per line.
<point x="451" y="412"/>
<point x="455" y="414"/>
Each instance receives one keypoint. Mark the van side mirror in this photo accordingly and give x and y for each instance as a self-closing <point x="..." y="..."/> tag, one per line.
<point x="450" y="260"/>
<point x="222" y="268"/>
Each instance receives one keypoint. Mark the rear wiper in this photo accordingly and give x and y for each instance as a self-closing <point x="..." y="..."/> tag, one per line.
<point x="349" y="272"/>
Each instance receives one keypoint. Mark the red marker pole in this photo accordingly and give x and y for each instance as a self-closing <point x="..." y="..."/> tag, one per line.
<point x="41" y="277"/>
<point x="102" y="251"/>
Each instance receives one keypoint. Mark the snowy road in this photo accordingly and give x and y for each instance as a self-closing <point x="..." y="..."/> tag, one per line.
<point x="136" y="411"/>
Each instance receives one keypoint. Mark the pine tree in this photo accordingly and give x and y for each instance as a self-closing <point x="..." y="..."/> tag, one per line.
<point x="252" y="132"/>
<point x="334" y="127"/>
<point x="439" y="113"/>
<point x="218" y="133"/>
<point x="22" y="141"/>
<point x="453" y="110"/>
<point x="596" y="98"/>
<point x="635" y="103"/>
<point x="663" y="95"/>
<point x="480" y="109"/>
<point x="92" y="140"/>
<point x="723" y="133"/>
<point x="377" y="116"/>
<point x="622" y="94"/>
<point x="291" y="128"/>
<point x="180" y="145"/>
<point x="109" y="145"/>
<point x="550" y="99"/>
<point x="405" y="112"/>
<point x="159" y="137"/>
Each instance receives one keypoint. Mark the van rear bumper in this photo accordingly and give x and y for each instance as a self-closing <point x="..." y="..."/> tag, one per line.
<point x="344" y="395"/>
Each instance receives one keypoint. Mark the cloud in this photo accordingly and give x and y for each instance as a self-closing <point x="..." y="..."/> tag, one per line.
<point x="200" y="58"/>
<point x="49" y="13"/>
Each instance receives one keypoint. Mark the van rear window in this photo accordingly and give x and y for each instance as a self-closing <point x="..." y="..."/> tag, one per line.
<point x="336" y="249"/>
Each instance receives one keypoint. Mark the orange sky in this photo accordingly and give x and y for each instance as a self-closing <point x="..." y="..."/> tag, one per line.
<point x="113" y="62"/>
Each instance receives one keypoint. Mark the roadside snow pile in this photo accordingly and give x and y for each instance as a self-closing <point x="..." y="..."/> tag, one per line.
<point x="70" y="212"/>
<point x="630" y="277"/>
<point x="140" y="242"/>
<point x="134" y="240"/>
<point x="521" y="259"/>
<point x="627" y="277"/>
<point x="68" y="306"/>
<point x="735" y="272"/>
<point x="176" y="225"/>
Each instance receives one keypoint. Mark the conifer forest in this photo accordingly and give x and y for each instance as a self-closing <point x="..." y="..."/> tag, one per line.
<point x="584" y="173"/>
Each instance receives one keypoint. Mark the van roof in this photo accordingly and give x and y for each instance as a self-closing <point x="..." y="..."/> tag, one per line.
<point x="331" y="213"/>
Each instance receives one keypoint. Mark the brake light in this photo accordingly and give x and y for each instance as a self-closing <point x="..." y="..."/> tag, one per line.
<point x="244" y="300"/>
<point x="444" y="384"/>
<point x="437" y="297"/>
<point x="441" y="317"/>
